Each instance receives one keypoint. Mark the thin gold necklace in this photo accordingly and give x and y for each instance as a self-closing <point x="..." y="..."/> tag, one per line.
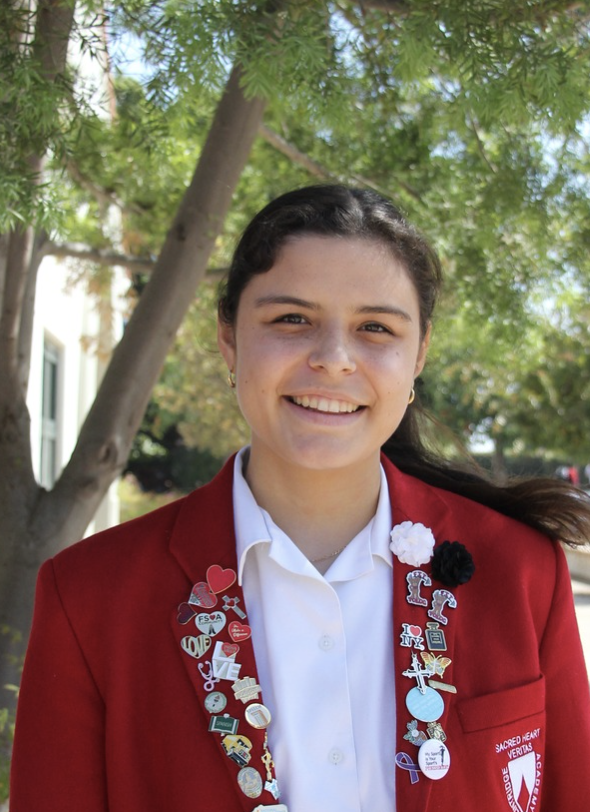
<point x="331" y="555"/>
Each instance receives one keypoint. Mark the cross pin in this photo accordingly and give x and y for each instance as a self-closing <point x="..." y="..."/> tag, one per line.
<point x="232" y="603"/>
<point x="417" y="673"/>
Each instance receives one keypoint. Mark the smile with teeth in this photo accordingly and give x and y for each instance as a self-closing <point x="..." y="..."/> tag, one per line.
<point x="325" y="405"/>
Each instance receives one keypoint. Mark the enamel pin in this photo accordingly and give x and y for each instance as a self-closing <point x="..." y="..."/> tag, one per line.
<point x="434" y="759"/>
<point x="215" y="702"/>
<point x="435" y="637"/>
<point x="411" y="635"/>
<point x="250" y="782"/>
<point x="423" y="702"/>
<point x="440" y="597"/>
<point x="415" y="580"/>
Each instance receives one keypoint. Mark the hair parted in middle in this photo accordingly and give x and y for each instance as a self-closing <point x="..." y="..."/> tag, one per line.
<point x="331" y="211"/>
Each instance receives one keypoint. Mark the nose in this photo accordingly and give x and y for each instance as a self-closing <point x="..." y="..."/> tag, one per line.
<point x="332" y="352"/>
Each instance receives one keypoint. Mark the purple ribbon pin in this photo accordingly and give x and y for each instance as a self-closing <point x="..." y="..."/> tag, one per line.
<point x="404" y="761"/>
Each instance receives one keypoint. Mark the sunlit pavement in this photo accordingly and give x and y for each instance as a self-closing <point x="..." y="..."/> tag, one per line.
<point x="582" y="601"/>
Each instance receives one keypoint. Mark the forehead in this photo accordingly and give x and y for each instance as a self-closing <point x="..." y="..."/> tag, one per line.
<point x="335" y="268"/>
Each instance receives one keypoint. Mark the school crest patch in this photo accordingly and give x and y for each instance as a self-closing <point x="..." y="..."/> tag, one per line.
<point x="521" y="770"/>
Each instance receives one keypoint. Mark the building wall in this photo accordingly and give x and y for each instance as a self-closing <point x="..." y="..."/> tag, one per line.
<point x="67" y="320"/>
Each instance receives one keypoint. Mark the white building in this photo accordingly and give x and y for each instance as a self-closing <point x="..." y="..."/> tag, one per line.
<point x="70" y="343"/>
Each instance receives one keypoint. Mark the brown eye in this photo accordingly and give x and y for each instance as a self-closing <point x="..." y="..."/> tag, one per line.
<point x="374" y="327"/>
<point x="290" y="318"/>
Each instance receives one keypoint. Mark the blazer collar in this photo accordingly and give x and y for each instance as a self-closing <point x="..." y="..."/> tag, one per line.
<point x="203" y="542"/>
<point x="415" y="501"/>
<point x="207" y="515"/>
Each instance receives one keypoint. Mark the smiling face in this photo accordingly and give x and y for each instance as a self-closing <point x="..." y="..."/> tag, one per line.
<point x="325" y="348"/>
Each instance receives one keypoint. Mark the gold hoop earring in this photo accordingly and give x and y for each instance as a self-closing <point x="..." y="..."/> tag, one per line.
<point x="231" y="379"/>
<point x="412" y="397"/>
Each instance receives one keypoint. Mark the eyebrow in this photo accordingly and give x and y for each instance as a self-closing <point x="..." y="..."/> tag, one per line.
<point x="375" y="310"/>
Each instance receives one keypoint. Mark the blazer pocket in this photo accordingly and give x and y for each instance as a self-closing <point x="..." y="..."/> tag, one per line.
<point x="502" y="707"/>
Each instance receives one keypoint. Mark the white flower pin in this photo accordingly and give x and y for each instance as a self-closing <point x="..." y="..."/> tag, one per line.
<point x="412" y="543"/>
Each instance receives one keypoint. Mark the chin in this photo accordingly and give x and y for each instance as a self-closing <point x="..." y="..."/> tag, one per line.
<point x="317" y="457"/>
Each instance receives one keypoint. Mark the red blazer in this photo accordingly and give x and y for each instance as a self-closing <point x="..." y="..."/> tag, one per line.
<point x="111" y="714"/>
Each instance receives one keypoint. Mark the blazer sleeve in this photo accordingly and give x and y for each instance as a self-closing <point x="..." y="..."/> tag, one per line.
<point x="58" y="759"/>
<point x="566" y="774"/>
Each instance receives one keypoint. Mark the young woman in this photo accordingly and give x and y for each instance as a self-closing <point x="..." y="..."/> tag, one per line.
<point x="318" y="628"/>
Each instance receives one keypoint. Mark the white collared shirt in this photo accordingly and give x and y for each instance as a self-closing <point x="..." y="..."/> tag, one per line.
<point x="324" y="652"/>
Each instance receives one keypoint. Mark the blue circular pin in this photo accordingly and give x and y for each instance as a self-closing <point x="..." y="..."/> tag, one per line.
<point x="427" y="706"/>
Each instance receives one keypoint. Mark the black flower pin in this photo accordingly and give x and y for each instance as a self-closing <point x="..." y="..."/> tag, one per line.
<point x="452" y="564"/>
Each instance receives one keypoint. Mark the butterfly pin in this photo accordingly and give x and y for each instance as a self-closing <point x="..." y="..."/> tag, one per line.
<point x="436" y="662"/>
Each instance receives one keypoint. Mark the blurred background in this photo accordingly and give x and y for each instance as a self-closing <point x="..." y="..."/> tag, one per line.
<point x="136" y="141"/>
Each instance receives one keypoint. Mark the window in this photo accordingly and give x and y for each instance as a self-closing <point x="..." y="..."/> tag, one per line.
<point x="49" y="414"/>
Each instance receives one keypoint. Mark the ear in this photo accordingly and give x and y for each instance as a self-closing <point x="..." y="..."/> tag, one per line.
<point x="423" y="351"/>
<point x="226" y="341"/>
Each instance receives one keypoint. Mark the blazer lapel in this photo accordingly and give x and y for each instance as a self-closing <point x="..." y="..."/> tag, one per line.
<point x="207" y="626"/>
<point x="413" y="501"/>
<point x="210" y="625"/>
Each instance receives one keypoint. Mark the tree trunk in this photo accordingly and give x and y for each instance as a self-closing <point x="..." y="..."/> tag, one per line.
<point x="39" y="523"/>
<point x="19" y="492"/>
<point x="499" y="470"/>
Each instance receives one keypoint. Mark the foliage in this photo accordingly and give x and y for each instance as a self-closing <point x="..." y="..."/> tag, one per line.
<point x="470" y="114"/>
<point x="193" y="385"/>
<point x="7" y="720"/>
<point x="527" y="389"/>
<point x="161" y="462"/>
<point x="6" y="737"/>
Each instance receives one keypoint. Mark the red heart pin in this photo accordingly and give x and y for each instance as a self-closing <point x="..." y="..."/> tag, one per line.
<point x="239" y="631"/>
<point x="229" y="649"/>
<point x="415" y="631"/>
<point x="186" y="612"/>
<point x="202" y="595"/>
<point x="220" y="579"/>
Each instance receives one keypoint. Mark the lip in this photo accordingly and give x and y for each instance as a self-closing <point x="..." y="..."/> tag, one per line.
<point x="324" y="418"/>
<point x="323" y="394"/>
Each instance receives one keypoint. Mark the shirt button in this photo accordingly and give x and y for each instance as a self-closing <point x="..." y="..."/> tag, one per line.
<point x="335" y="756"/>
<point x="326" y="643"/>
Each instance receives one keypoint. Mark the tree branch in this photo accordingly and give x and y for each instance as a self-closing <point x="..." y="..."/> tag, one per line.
<point x="390" y="6"/>
<point x="480" y="147"/>
<point x="25" y="333"/>
<point x="106" y="435"/>
<point x="18" y="258"/>
<point x="295" y="155"/>
<point x="319" y="171"/>
<point x="53" y="27"/>
<point x="103" y="196"/>
<point x="77" y="250"/>
<point x="100" y="256"/>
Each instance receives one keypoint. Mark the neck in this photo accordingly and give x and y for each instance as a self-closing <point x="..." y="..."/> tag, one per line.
<point x="321" y="511"/>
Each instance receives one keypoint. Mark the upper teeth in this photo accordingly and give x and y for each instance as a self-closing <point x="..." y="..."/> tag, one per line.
<point x="325" y="405"/>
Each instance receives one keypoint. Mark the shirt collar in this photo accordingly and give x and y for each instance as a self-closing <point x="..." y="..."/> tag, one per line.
<point x="254" y="526"/>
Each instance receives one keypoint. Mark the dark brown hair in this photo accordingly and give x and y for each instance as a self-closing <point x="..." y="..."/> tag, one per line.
<point x="554" y="507"/>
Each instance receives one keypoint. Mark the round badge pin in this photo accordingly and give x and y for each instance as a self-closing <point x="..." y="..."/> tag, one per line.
<point x="434" y="759"/>
<point x="258" y="715"/>
<point x="215" y="702"/>
<point x="250" y="782"/>
<point x="427" y="706"/>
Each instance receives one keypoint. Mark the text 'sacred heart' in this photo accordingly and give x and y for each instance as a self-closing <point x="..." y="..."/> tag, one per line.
<point x="220" y="579"/>
<point x="415" y="631"/>
<point x="239" y="631"/>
